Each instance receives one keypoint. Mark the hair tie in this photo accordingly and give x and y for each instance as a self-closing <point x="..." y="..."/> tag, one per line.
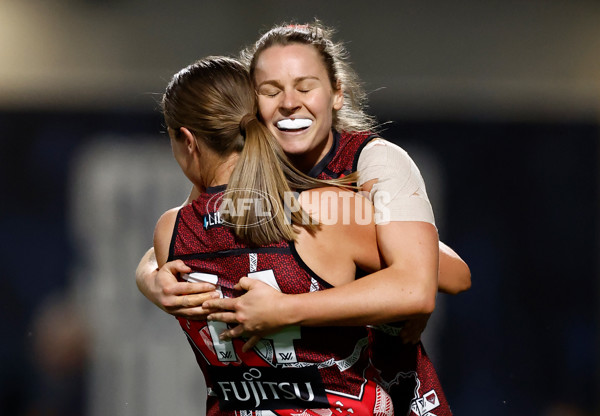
<point x="298" y="27"/>
<point x="246" y="119"/>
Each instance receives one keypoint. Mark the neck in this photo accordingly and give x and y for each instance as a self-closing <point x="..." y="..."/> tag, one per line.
<point x="222" y="169"/>
<point x="306" y="161"/>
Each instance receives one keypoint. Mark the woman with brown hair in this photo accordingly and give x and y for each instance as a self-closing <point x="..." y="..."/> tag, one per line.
<point x="231" y="158"/>
<point x="311" y="101"/>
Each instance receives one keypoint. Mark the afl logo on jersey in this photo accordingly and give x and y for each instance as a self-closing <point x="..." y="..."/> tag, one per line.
<point x="254" y="206"/>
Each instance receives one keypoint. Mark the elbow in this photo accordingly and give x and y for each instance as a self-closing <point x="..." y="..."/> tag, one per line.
<point x="425" y="302"/>
<point x="425" y="295"/>
<point x="461" y="284"/>
<point x="464" y="283"/>
<point x="415" y="303"/>
<point x="427" y="305"/>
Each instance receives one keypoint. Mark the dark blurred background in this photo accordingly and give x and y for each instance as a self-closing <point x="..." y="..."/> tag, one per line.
<point x="498" y="103"/>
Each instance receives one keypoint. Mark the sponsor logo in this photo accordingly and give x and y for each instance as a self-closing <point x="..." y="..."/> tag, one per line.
<point x="268" y="388"/>
<point x="212" y="219"/>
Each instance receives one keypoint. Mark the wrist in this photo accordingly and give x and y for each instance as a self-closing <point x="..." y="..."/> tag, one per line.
<point x="290" y="310"/>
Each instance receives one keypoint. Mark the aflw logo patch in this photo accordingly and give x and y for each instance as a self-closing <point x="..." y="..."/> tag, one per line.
<point x="268" y="388"/>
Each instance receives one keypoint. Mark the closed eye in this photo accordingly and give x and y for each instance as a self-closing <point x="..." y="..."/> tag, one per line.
<point x="307" y="85"/>
<point x="269" y="91"/>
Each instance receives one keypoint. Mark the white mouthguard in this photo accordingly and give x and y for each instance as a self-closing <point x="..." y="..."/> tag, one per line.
<point x="290" y="124"/>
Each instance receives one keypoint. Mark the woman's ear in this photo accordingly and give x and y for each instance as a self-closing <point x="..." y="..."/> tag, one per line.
<point x="338" y="96"/>
<point x="189" y="139"/>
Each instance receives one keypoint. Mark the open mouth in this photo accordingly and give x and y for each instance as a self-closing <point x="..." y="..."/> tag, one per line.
<point x="298" y="124"/>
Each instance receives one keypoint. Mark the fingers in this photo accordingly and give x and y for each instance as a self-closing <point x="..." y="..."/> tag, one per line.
<point x="177" y="266"/>
<point x="222" y="303"/>
<point x="185" y="288"/>
<point x="227" y="317"/>
<point x="234" y="332"/>
<point x="250" y="343"/>
<point x="244" y="283"/>
<point x="238" y="331"/>
<point x="197" y="299"/>
<point x="193" y="314"/>
<point x="178" y="302"/>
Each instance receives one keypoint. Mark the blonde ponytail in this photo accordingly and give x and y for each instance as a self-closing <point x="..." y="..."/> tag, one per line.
<point x="214" y="99"/>
<point x="264" y="170"/>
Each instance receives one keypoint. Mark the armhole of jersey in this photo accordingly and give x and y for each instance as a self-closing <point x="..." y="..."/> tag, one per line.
<point x="312" y="274"/>
<point x="173" y="238"/>
<point x="361" y="147"/>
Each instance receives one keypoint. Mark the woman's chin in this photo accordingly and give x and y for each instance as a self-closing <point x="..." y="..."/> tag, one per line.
<point x="294" y="149"/>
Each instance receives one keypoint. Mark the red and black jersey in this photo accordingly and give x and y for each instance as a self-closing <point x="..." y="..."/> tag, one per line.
<point x="404" y="370"/>
<point x="342" y="158"/>
<point x="300" y="370"/>
<point x="406" y="373"/>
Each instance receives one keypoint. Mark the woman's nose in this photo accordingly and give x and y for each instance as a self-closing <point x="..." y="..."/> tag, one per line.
<point x="290" y="101"/>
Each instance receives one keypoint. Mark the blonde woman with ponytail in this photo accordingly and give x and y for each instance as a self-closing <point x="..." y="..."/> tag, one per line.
<point x="230" y="157"/>
<point x="311" y="101"/>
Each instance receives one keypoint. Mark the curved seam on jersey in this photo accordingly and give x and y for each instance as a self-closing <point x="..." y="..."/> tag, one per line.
<point x="360" y="149"/>
<point x="306" y="267"/>
<point x="174" y="237"/>
<point x="232" y="252"/>
<point x="215" y="189"/>
<point x="318" y="168"/>
<point x="332" y="174"/>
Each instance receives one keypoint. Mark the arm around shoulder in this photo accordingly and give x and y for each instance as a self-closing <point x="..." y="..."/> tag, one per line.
<point x="405" y="289"/>
<point x="397" y="189"/>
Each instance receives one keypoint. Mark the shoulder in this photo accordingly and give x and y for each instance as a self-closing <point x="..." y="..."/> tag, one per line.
<point x="380" y="152"/>
<point x="163" y="233"/>
<point x="167" y="220"/>
<point x="346" y="226"/>
<point x="385" y="161"/>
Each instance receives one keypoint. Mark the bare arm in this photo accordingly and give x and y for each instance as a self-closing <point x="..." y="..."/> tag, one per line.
<point x="161" y="286"/>
<point x="455" y="276"/>
<point x="405" y="289"/>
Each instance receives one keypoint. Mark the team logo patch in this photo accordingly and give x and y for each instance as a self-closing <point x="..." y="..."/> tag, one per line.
<point x="422" y="406"/>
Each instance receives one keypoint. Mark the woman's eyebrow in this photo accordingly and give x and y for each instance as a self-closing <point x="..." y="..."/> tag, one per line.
<point x="296" y="81"/>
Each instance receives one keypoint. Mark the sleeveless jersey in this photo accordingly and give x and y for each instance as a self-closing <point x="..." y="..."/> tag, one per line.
<point x="297" y="371"/>
<point x="342" y="158"/>
<point x="404" y="370"/>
